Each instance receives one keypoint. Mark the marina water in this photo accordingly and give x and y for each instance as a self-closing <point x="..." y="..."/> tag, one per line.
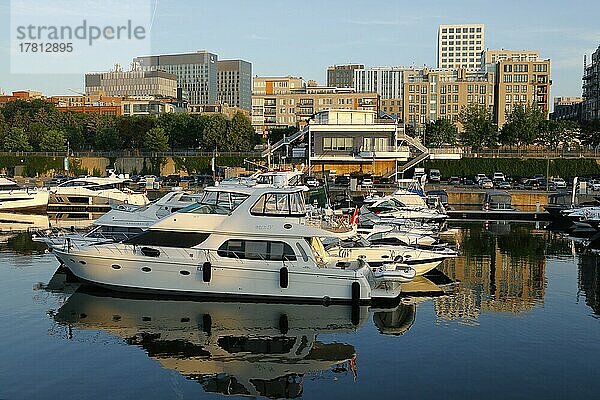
<point x="516" y="315"/>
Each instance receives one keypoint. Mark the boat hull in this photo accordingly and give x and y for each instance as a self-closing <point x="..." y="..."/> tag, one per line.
<point x="228" y="278"/>
<point x="29" y="202"/>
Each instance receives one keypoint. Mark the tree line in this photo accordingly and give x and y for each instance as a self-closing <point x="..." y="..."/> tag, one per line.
<point x="525" y="125"/>
<point x="39" y="126"/>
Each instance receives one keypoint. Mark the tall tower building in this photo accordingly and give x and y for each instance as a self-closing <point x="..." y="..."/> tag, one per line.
<point x="234" y="82"/>
<point x="342" y="76"/>
<point x="460" y="46"/>
<point x="196" y="73"/>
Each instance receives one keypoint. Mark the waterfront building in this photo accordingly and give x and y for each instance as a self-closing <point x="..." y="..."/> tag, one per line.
<point x="521" y="83"/>
<point x="145" y="106"/>
<point x="430" y="94"/>
<point x="342" y="76"/>
<point x="132" y="83"/>
<point x="567" y="108"/>
<point x="460" y="46"/>
<point x="591" y="87"/>
<point x="234" y="83"/>
<point x="293" y="107"/>
<point x="196" y="73"/>
<point x="493" y="56"/>
<point x="355" y="141"/>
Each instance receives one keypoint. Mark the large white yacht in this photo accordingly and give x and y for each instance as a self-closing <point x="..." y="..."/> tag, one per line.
<point x="235" y="242"/>
<point x="15" y="198"/>
<point x="121" y="222"/>
<point x="92" y="191"/>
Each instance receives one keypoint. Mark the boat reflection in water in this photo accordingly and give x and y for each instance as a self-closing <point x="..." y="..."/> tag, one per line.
<point x="231" y="348"/>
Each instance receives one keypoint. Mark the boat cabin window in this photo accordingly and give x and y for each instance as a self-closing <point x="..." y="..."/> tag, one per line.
<point x="257" y="250"/>
<point x="280" y="204"/>
<point x="9" y="187"/>
<point x="217" y="203"/>
<point x="102" y="187"/>
<point x="168" y="238"/>
<point x="77" y="184"/>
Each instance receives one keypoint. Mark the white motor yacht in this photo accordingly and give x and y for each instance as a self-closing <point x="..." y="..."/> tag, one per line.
<point x="235" y="242"/>
<point x="92" y="191"/>
<point x="389" y="207"/>
<point x="122" y="221"/>
<point x="15" y="198"/>
<point x="392" y="257"/>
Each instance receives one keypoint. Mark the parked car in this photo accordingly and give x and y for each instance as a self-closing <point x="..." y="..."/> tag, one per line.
<point x="367" y="183"/>
<point x="454" y="180"/>
<point x="594" y="184"/>
<point x="342" y="180"/>
<point x="504" y="185"/>
<point x="486" y="183"/>
<point x="435" y="175"/>
<point x="479" y="177"/>
<point x="468" y="182"/>
<point x="498" y="176"/>
<point x="205" y="180"/>
<point x="311" y="181"/>
<point x="559" y="183"/>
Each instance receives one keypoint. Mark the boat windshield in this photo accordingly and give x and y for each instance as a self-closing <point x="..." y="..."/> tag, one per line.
<point x="216" y="203"/>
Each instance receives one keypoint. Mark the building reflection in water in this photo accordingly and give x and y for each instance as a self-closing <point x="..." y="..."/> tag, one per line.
<point x="501" y="268"/>
<point x="589" y="281"/>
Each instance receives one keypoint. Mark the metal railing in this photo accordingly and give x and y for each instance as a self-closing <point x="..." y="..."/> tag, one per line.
<point x="134" y="153"/>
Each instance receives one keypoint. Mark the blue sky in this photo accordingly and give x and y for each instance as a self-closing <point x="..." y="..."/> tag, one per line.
<point x="302" y="38"/>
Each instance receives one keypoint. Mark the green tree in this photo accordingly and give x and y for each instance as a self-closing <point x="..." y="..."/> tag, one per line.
<point x="242" y="136"/>
<point x="522" y="125"/>
<point x="214" y="134"/>
<point x="276" y="134"/>
<point x="3" y="126"/>
<point x="180" y="130"/>
<point x="479" y="130"/>
<point x="53" y="140"/>
<point x="554" y="133"/>
<point x="156" y="140"/>
<point x="107" y="139"/>
<point x="441" y="131"/>
<point x="590" y="132"/>
<point x="132" y="130"/>
<point x="15" y="139"/>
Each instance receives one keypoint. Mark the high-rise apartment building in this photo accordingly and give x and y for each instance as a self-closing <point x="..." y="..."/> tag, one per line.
<point x="342" y="76"/>
<point x="591" y="88"/>
<point x="430" y="94"/>
<point x="493" y="56"/>
<point x="234" y="83"/>
<point x="132" y="83"/>
<point x="196" y="73"/>
<point x="385" y="81"/>
<point x="460" y="46"/>
<point x="521" y="83"/>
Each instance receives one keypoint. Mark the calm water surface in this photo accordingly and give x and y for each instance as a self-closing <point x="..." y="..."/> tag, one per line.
<point x="521" y="320"/>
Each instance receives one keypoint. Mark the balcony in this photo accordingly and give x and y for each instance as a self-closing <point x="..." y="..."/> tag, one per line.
<point x="399" y="152"/>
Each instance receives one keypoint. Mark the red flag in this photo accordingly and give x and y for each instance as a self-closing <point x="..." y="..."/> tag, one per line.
<point x="354" y="217"/>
